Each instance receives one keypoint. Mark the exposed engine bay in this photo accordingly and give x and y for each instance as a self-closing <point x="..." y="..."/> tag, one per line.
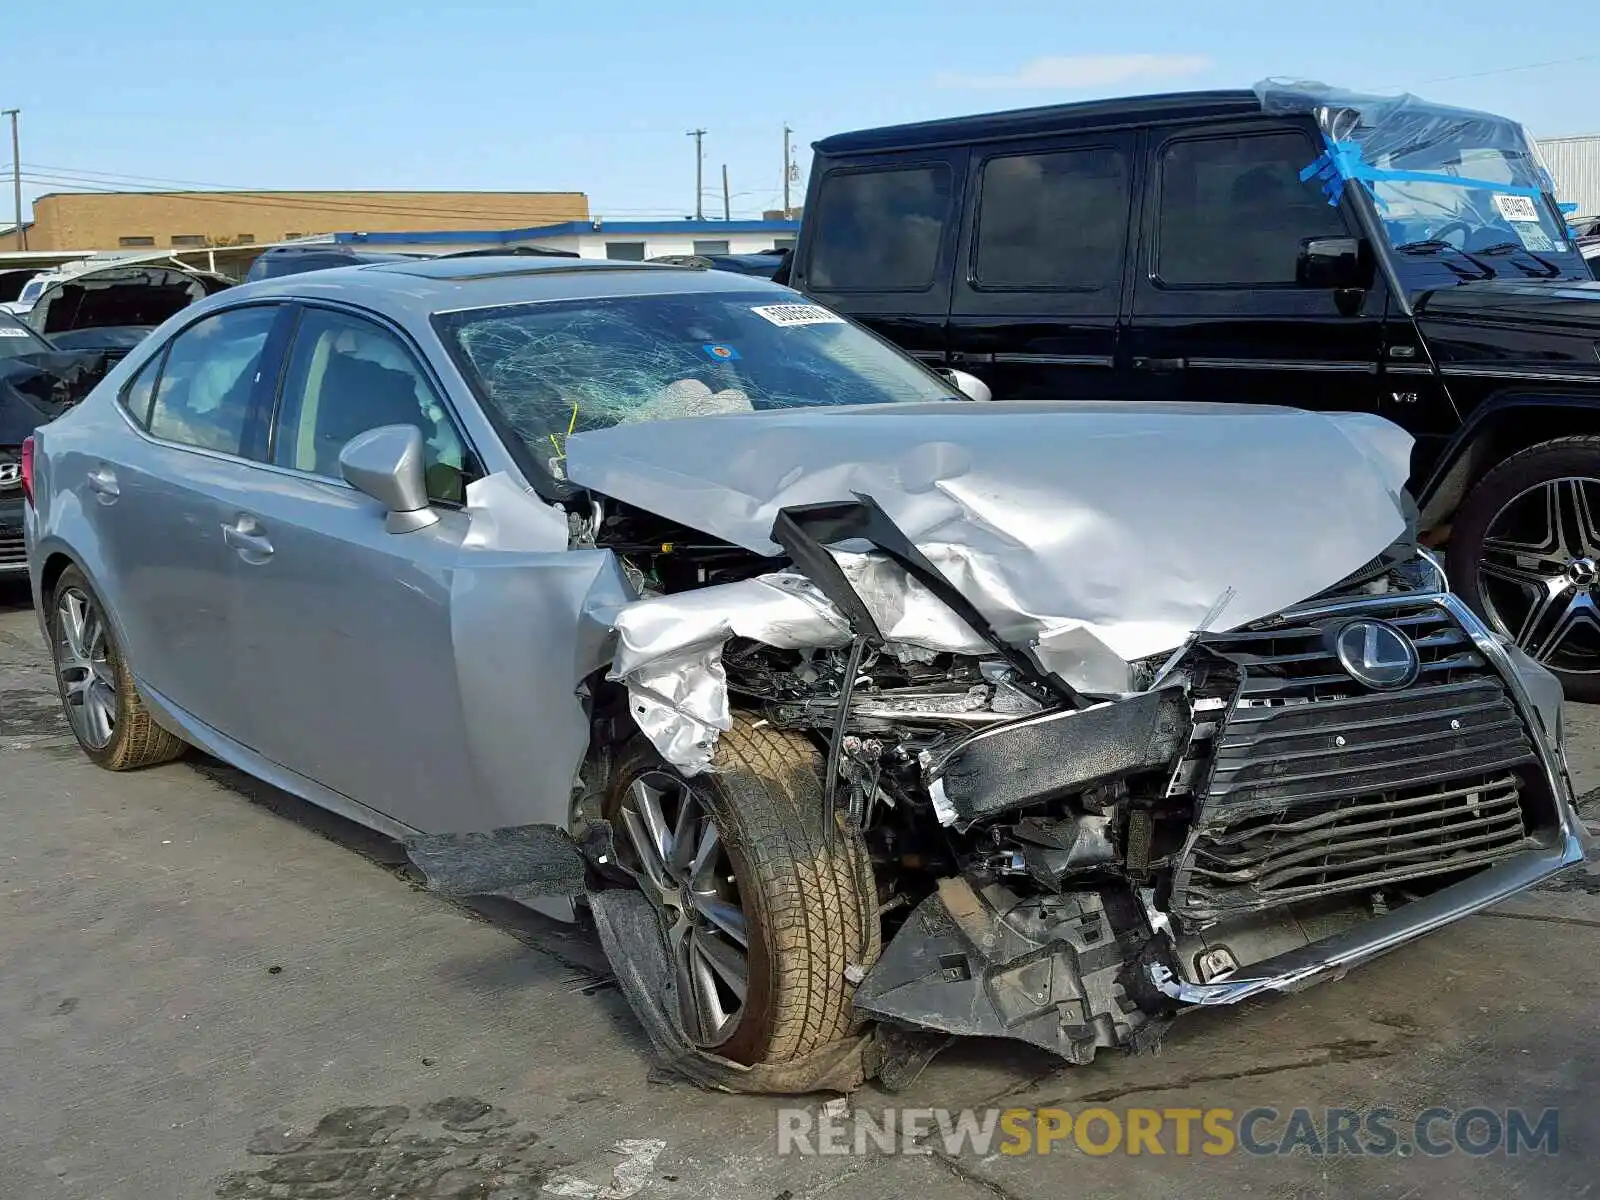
<point x="1069" y="868"/>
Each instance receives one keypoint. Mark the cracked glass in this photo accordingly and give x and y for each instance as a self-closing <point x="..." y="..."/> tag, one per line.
<point x="555" y="369"/>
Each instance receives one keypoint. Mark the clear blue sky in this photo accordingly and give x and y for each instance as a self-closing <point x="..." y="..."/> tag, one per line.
<point x="597" y="97"/>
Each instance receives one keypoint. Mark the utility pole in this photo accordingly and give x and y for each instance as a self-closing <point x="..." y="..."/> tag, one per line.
<point x="727" y="212"/>
<point x="16" y="175"/>
<point x="699" y="174"/>
<point x="788" y="167"/>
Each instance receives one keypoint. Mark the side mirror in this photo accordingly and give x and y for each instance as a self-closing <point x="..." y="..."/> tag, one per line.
<point x="1334" y="263"/>
<point x="969" y="386"/>
<point x="386" y="464"/>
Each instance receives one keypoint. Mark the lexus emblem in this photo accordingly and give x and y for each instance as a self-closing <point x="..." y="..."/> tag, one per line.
<point x="10" y="475"/>
<point x="1377" y="654"/>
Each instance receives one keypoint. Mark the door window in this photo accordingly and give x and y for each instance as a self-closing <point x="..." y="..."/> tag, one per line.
<point x="346" y="376"/>
<point x="211" y="369"/>
<point x="880" y="230"/>
<point x="1052" y="221"/>
<point x="1233" y="211"/>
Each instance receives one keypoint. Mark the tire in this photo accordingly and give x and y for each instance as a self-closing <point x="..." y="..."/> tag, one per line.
<point x="1525" y="554"/>
<point x="803" y="884"/>
<point x="98" y="695"/>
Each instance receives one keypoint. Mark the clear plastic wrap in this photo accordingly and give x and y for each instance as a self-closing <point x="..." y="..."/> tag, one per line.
<point x="1442" y="179"/>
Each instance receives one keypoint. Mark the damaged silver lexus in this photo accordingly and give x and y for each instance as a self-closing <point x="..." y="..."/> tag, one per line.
<point x="858" y="713"/>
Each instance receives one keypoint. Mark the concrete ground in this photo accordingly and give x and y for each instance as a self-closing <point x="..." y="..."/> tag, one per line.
<point x="208" y="989"/>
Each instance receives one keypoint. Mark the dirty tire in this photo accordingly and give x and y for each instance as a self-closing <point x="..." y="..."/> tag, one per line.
<point x="805" y="884"/>
<point x="136" y="740"/>
<point x="1570" y="457"/>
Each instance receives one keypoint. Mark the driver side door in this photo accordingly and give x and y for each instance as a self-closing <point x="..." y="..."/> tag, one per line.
<point x="343" y="630"/>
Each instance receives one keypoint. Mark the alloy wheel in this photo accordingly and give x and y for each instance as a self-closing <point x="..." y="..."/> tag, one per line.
<point x="88" y="681"/>
<point x="675" y="851"/>
<point x="1539" y="573"/>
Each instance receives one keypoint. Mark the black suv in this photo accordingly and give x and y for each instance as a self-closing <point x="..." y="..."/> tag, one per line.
<point x="1282" y="245"/>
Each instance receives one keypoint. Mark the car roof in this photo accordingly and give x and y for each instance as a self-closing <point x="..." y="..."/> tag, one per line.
<point x="418" y="287"/>
<point x="1051" y="118"/>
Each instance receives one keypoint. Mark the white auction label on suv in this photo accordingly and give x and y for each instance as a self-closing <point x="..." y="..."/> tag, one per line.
<point x="797" y="314"/>
<point x="1517" y="208"/>
<point x="11" y="331"/>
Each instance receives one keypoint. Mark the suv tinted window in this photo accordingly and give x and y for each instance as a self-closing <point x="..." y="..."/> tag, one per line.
<point x="346" y="376"/>
<point x="203" y="397"/>
<point x="1057" y="220"/>
<point x="880" y="230"/>
<point x="1233" y="210"/>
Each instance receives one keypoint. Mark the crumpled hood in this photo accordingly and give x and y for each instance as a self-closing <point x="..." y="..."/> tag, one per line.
<point x="1123" y="521"/>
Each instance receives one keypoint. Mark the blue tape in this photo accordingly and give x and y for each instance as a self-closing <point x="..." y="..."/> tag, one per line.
<point x="1569" y="208"/>
<point x="1342" y="162"/>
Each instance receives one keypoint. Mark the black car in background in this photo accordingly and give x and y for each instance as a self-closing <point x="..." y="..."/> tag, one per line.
<point x="291" y="260"/>
<point x="1283" y="245"/>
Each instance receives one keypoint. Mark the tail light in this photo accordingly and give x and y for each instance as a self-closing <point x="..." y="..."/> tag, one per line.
<point x="27" y="469"/>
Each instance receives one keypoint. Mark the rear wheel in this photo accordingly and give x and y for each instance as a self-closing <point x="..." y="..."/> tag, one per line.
<point x="102" y="705"/>
<point x="1525" y="553"/>
<point x="764" y="902"/>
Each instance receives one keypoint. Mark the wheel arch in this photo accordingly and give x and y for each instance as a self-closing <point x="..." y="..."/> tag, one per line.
<point x="1506" y="423"/>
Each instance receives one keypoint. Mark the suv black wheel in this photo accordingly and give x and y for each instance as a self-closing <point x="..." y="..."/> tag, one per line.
<point x="103" y="706"/>
<point x="1525" y="553"/>
<point x="763" y="901"/>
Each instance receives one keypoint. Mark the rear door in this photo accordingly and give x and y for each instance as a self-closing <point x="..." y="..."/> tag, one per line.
<point x="157" y="501"/>
<point x="1035" y="304"/>
<point x="1217" y="314"/>
<point x="881" y="244"/>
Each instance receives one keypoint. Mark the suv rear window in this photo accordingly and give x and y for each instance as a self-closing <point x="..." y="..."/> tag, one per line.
<point x="880" y="230"/>
<point x="1233" y="211"/>
<point x="1056" y="220"/>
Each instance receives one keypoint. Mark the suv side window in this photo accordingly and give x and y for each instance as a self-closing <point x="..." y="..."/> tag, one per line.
<point x="1233" y="211"/>
<point x="210" y="371"/>
<point x="346" y="375"/>
<point x="1056" y="220"/>
<point x="880" y="229"/>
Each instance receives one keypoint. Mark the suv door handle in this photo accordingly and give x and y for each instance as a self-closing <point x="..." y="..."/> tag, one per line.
<point x="103" y="483"/>
<point x="245" y="536"/>
<point x="1160" y="364"/>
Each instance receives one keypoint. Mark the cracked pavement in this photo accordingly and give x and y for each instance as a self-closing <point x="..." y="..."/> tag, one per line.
<point x="209" y="989"/>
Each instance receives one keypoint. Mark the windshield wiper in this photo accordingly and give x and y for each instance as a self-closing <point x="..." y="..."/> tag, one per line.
<point x="1435" y="245"/>
<point x="1550" y="269"/>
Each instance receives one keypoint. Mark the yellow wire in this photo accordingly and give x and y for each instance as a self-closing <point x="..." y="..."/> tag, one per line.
<point x="561" y="451"/>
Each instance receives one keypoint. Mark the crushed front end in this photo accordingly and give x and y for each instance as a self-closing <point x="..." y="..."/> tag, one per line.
<point x="1263" y="809"/>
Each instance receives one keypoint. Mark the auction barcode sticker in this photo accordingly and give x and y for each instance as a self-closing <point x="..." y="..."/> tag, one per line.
<point x="797" y="314"/>
<point x="11" y="331"/>
<point x="1517" y="208"/>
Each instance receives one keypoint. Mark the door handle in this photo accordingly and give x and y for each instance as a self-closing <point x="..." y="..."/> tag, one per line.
<point x="245" y="536"/>
<point x="103" y="483"/>
<point x="1159" y="364"/>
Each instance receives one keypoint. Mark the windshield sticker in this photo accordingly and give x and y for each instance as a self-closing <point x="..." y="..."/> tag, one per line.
<point x="7" y="331"/>
<point x="1517" y="208"/>
<point x="797" y="314"/>
<point x="721" y="353"/>
<point x="1534" y="238"/>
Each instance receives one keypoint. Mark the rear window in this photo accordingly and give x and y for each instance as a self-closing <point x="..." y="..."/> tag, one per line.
<point x="880" y="230"/>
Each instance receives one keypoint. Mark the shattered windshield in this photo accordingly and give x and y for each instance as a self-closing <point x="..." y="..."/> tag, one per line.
<point x="1459" y="195"/>
<point x="554" y="369"/>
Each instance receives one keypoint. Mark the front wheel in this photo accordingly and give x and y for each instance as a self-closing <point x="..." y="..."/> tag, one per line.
<point x="1525" y="554"/>
<point x="764" y="901"/>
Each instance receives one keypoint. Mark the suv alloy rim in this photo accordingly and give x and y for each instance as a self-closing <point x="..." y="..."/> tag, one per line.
<point x="674" y="850"/>
<point x="1539" y="572"/>
<point x="88" y="682"/>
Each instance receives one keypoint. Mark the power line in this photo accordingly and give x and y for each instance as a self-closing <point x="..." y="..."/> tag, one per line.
<point x="1556" y="62"/>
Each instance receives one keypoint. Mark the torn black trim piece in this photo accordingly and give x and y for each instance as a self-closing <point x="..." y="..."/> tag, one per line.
<point x="805" y="530"/>
<point x="519" y="862"/>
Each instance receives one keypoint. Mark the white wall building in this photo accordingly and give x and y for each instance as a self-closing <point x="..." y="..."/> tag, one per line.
<point x="633" y="241"/>
<point x="1575" y="163"/>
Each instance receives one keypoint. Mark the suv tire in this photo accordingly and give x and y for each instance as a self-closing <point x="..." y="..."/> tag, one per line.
<point x="798" y="885"/>
<point x="98" y="696"/>
<point x="1525" y="554"/>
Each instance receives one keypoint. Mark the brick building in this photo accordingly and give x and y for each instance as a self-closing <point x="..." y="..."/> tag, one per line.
<point x="161" y="220"/>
